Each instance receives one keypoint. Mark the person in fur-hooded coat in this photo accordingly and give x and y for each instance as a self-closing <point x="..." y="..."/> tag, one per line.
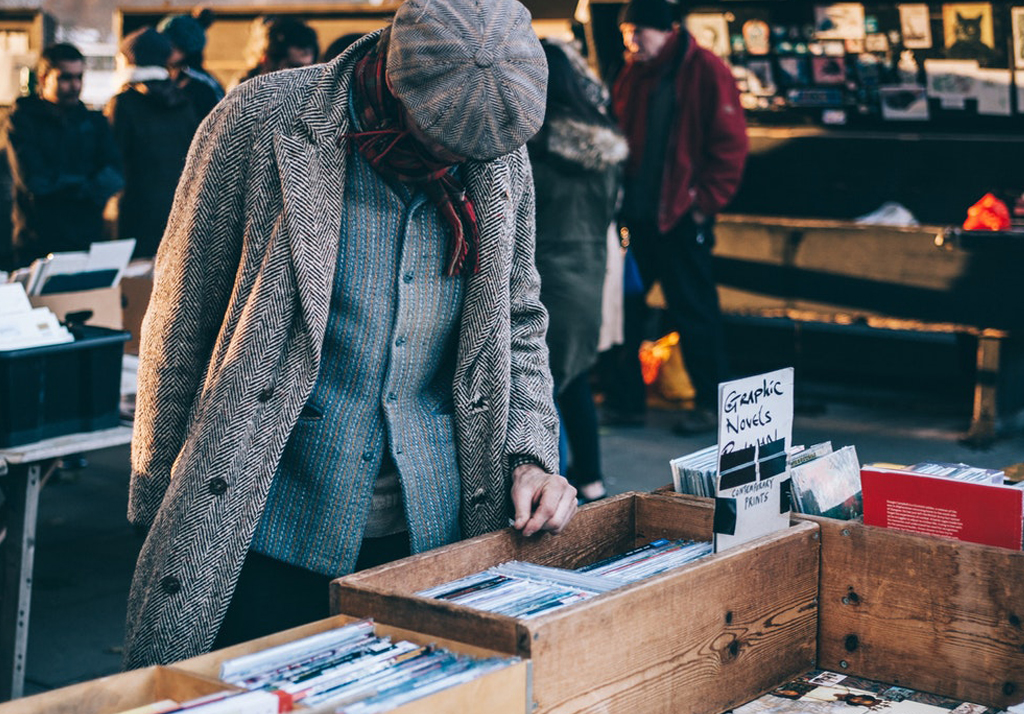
<point x="577" y="158"/>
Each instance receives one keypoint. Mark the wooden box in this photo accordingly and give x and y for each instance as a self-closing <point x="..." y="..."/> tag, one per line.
<point x="118" y="692"/>
<point x="505" y="691"/>
<point x="927" y="613"/>
<point x="932" y="614"/>
<point x="699" y="639"/>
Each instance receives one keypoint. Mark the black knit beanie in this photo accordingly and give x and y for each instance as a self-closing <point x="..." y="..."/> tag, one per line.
<point x="185" y="32"/>
<point x="656" y="14"/>
<point x="146" y="48"/>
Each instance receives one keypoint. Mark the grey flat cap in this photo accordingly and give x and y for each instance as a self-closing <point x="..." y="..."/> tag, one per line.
<point x="471" y="73"/>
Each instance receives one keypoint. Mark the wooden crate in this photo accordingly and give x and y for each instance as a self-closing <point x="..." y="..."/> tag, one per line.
<point x="699" y="639"/>
<point x="118" y="693"/>
<point x="927" y="613"/>
<point x="505" y="691"/>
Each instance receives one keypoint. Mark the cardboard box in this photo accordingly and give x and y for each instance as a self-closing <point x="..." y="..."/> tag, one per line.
<point x="104" y="303"/>
<point x="502" y="692"/>
<point x="135" y="293"/>
<point x="118" y="693"/>
<point x="699" y="639"/>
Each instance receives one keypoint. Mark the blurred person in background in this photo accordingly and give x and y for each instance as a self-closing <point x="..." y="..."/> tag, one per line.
<point x="576" y="158"/>
<point x="679" y="107"/>
<point x="64" y="163"/>
<point x="287" y="43"/>
<point x="153" y="122"/>
<point x="187" y="35"/>
<point x="340" y="45"/>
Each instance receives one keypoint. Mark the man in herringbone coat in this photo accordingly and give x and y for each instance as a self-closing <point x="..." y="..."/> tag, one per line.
<point x="345" y="322"/>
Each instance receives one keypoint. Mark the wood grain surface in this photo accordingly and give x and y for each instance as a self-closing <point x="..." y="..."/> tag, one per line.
<point x="927" y="613"/>
<point x="118" y="692"/>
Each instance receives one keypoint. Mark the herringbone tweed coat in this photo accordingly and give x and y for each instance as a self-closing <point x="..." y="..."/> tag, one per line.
<point x="231" y="344"/>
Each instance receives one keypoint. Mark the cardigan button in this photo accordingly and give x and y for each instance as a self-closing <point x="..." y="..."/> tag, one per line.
<point x="217" y="486"/>
<point x="170" y="585"/>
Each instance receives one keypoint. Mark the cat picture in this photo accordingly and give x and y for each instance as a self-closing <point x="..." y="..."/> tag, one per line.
<point x="1017" y="21"/>
<point x="968" y="31"/>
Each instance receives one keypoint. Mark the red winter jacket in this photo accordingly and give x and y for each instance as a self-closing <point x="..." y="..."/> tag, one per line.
<point x="708" y="146"/>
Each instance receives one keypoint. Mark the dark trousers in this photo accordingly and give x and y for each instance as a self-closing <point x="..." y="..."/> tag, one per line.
<point x="681" y="261"/>
<point x="579" y="422"/>
<point x="618" y="368"/>
<point x="272" y="596"/>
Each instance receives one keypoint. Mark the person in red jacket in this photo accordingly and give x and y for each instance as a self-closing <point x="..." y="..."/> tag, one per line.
<point x="680" y="111"/>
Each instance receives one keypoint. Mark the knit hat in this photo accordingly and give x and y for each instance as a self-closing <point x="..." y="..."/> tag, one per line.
<point x="471" y="73"/>
<point x="656" y="14"/>
<point x="146" y="48"/>
<point x="184" y="32"/>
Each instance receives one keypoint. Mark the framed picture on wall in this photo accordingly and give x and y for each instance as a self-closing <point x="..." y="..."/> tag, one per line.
<point x="794" y="71"/>
<point x="757" y="37"/>
<point x="828" y="70"/>
<point x="916" y="26"/>
<point x="968" y="32"/>
<point x="839" y="21"/>
<point x="1017" y="22"/>
<point x="904" y="103"/>
<point x="711" y="30"/>
<point x="762" y="79"/>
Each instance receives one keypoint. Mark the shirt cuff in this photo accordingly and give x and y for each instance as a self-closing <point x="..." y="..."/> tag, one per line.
<point x="517" y="460"/>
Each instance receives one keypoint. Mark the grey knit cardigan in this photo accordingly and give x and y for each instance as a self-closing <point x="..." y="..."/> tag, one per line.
<point x="232" y="338"/>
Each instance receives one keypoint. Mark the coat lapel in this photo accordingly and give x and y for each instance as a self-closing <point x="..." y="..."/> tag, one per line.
<point x="311" y="163"/>
<point x="310" y="208"/>
<point x="488" y="185"/>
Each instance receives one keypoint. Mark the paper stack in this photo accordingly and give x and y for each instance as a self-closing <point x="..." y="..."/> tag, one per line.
<point x="22" y="326"/>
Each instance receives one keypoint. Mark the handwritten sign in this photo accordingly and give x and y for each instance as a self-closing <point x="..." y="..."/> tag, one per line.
<point x="755" y="410"/>
<point x="755" y="430"/>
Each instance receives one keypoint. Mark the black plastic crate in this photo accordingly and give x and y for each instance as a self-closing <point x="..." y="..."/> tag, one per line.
<point x="61" y="389"/>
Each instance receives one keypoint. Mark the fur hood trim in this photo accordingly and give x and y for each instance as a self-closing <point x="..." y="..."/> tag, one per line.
<point x="592" y="147"/>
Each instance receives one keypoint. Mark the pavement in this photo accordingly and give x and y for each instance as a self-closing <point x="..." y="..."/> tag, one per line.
<point x="86" y="550"/>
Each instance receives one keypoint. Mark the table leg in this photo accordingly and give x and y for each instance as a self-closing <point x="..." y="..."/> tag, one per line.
<point x="983" y="420"/>
<point x="21" y="486"/>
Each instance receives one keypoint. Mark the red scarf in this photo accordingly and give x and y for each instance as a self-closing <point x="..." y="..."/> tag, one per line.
<point x="394" y="153"/>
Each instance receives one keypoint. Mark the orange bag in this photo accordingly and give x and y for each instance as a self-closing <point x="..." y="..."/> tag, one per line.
<point x="988" y="214"/>
<point x="664" y="371"/>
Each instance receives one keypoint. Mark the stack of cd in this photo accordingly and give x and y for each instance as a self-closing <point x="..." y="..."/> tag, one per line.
<point x="960" y="472"/>
<point x="519" y="589"/>
<point x="696" y="473"/>
<point x="654" y="558"/>
<point x="526" y="590"/>
<point x="354" y="670"/>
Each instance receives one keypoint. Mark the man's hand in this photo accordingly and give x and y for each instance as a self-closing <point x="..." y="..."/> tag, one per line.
<point x="542" y="501"/>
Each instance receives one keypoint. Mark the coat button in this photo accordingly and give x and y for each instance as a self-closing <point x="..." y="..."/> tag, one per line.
<point x="478" y="498"/>
<point x="266" y="394"/>
<point x="217" y="486"/>
<point x="170" y="585"/>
